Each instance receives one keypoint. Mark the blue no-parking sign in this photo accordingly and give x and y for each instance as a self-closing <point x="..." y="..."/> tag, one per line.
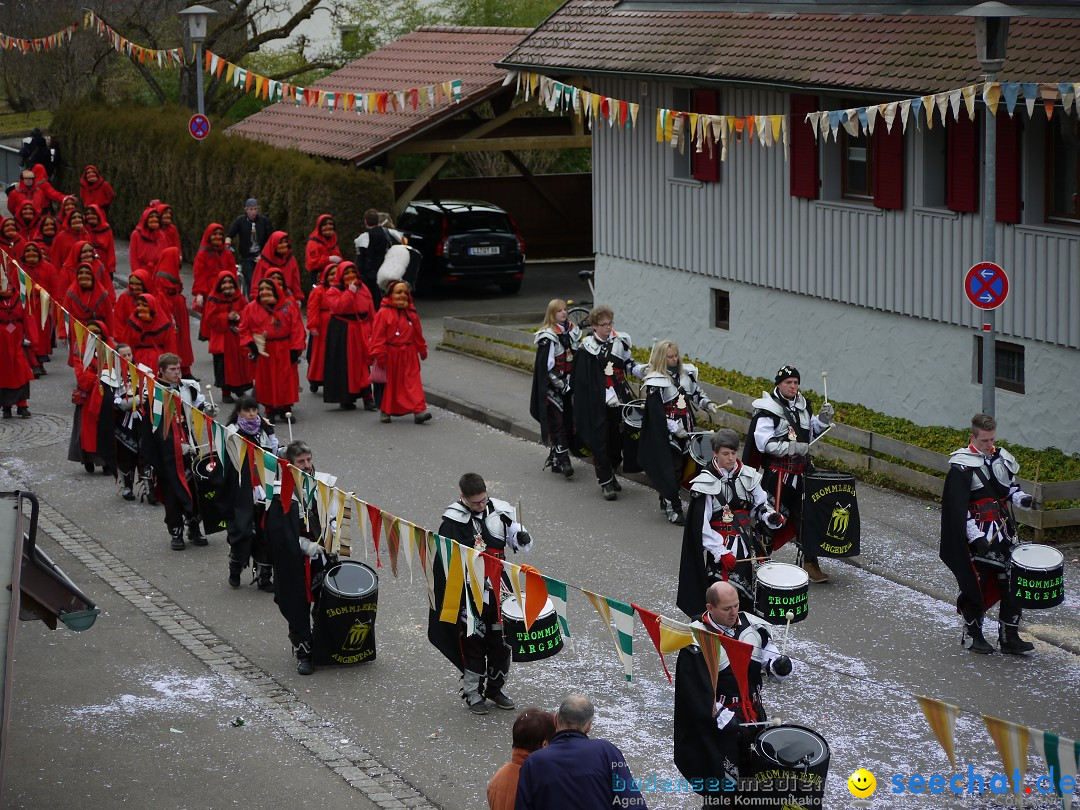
<point x="986" y="285"/>
<point x="199" y="126"/>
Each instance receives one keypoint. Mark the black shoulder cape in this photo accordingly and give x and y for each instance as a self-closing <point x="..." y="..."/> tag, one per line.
<point x="702" y="751"/>
<point x="654" y="450"/>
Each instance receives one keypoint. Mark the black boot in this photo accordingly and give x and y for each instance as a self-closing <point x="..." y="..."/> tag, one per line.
<point x="972" y="637"/>
<point x="127" y="485"/>
<point x="564" y="462"/>
<point x="236" y="568"/>
<point x="194" y="532"/>
<point x="265" y="576"/>
<point x="552" y="461"/>
<point x="304" y="664"/>
<point x="674" y="512"/>
<point x="1010" y="642"/>
<point x="177" y="533"/>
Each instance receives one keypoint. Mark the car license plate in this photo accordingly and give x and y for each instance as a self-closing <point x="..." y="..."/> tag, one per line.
<point x="492" y="250"/>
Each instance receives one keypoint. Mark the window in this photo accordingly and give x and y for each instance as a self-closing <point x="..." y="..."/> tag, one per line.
<point x="686" y="162"/>
<point x="856" y="162"/>
<point x="1063" y="169"/>
<point x="682" y="167"/>
<point x="721" y="305"/>
<point x="1009" y="363"/>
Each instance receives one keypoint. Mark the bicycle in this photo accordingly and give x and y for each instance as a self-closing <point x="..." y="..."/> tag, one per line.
<point x="578" y="313"/>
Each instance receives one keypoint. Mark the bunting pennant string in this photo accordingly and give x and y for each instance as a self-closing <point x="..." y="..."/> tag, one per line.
<point x="169" y="57"/>
<point x="38" y="44"/>
<point x="1011" y="742"/>
<point x="942" y="720"/>
<point x="1062" y="758"/>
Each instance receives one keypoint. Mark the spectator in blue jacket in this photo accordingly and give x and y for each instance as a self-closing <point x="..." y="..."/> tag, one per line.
<point x="574" y="771"/>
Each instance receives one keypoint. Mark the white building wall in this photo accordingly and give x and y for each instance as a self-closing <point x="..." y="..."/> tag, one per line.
<point x="899" y="365"/>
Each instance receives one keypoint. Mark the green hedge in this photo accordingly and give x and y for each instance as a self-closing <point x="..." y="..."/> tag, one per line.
<point x="147" y="153"/>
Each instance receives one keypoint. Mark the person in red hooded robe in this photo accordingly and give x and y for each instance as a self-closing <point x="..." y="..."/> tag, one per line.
<point x="318" y="316"/>
<point x="147" y="241"/>
<point x="234" y="371"/>
<point x="100" y="234"/>
<point x="211" y="260"/>
<point x="43" y="274"/>
<point x="398" y="345"/>
<point x="149" y="331"/>
<point x="276" y="255"/>
<point x="68" y="204"/>
<point x="18" y="333"/>
<point x="169" y="229"/>
<point x="322" y="248"/>
<point x="139" y="282"/>
<point x="11" y="241"/>
<point x="30" y="188"/>
<point x="28" y="221"/>
<point x="347" y="374"/>
<point x="93" y="442"/>
<point x="273" y="332"/>
<point x="169" y="288"/>
<point x="83" y="252"/>
<point x="73" y="230"/>
<point x="95" y="189"/>
<point x="48" y="228"/>
<point x="85" y="301"/>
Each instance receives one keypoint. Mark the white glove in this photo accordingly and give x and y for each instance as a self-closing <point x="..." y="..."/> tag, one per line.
<point x="798" y="448"/>
<point x="521" y="540"/>
<point x="1022" y="499"/>
<point x="723" y="716"/>
<point x="773" y="519"/>
<point x="310" y="547"/>
<point x="185" y="448"/>
<point x="25" y="342"/>
<point x="825" y="415"/>
<point x="680" y="432"/>
<point x="210" y="410"/>
<point x="712" y="407"/>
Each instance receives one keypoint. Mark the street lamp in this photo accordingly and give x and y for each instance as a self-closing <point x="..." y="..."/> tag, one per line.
<point x="991" y="37"/>
<point x="197" y="17"/>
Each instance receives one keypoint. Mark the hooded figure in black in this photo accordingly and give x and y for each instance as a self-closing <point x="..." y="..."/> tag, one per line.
<point x="977" y="533"/>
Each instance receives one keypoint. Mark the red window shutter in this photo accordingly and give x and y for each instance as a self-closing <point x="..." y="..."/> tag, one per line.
<point x="706" y="165"/>
<point x="1008" y="168"/>
<point x="962" y="165"/>
<point x="804" y="149"/>
<point x="888" y="167"/>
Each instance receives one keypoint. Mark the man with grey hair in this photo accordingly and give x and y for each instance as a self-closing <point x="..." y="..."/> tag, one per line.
<point x="574" y="770"/>
<point x="727" y="507"/>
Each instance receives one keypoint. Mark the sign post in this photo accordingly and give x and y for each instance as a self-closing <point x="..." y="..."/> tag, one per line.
<point x="986" y="287"/>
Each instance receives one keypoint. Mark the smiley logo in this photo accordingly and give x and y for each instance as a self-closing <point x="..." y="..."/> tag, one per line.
<point x="862" y="784"/>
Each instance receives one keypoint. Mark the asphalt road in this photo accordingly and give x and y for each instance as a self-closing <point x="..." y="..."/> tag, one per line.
<point x="129" y="713"/>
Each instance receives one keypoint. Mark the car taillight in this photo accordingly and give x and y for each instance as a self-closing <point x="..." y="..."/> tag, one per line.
<point x="443" y="247"/>
<point x="517" y="233"/>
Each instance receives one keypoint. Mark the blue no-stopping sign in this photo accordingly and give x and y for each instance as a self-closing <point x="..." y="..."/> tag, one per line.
<point x="986" y="285"/>
<point x="199" y="126"/>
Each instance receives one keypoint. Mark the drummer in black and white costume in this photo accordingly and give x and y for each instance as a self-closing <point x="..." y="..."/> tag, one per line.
<point x="477" y="648"/>
<point x="711" y="737"/>
<point x="782" y="427"/>
<point x="977" y="535"/>
<point x="670" y="388"/>
<point x="556" y="342"/>
<point x="726" y="504"/>
<point x="600" y="389"/>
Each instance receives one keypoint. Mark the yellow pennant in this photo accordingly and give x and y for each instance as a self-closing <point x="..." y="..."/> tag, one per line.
<point x="455" y="580"/>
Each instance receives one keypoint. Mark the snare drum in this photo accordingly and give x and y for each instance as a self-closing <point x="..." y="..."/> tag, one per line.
<point x="1037" y="576"/>
<point x="781" y="587"/>
<point x="633" y="413"/>
<point x="789" y="766"/>
<point x="542" y="640"/>
<point x="701" y="448"/>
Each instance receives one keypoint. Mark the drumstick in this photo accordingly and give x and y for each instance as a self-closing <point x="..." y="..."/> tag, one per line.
<point x="752" y="559"/>
<point x="825" y="385"/>
<point x="210" y="394"/>
<point x="787" y="631"/>
<point x="288" y="418"/>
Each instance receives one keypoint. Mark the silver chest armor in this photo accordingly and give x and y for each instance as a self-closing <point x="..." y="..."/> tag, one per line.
<point x="1003" y="466"/>
<point x="744" y="484"/>
<point x="493" y="521"/>
<point x="669" y="390"/>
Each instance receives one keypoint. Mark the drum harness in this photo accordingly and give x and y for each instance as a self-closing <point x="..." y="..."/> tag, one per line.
<point x="995" y="513"/>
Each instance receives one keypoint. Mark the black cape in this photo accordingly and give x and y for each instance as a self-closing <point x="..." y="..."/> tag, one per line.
<point x="654" y="448"/>
<point x="335" y="380"/>
<point x="692" y="578"/>
<point x="702" y="751"/>
<point x="590" y="411"/>
<point x="157" y="449"/>
<point x="283" y="531"/>
<point x="538" y="394"/>
<point x="444" y="636"/>
<point x="953" y="549"/>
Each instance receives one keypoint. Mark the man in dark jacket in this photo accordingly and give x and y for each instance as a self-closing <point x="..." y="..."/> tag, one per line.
<point x="250" y="232"/>
<point x="575" y="771"/>
<point x="36" y="151"/>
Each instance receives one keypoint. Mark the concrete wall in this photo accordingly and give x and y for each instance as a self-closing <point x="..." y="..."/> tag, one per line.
<point x="908" y="367"/>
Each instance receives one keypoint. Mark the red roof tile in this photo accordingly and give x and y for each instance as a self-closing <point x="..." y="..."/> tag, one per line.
<point x="913" y="54"/>
<point x="428" y="55"/>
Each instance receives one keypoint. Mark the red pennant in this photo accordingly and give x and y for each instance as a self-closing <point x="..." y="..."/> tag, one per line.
<point x="739" y="654"/>
<point x="652" y="627"/>
<point x="375" y="519"/>
<point x="288" y="484"/>
<point x="493" y="569"/>
<point x="393" y="541"/>
<point x="536" y="594"/>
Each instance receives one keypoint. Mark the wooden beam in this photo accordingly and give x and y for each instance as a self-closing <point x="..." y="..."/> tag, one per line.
<point x="416" y="185"/>
<point x="530" y="178"/>
<point x="484" y="128"/>
<point x="462" y="145"/>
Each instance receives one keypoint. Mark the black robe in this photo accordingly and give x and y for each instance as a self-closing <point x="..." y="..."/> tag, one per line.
<point x="158" y="449"/>
<point x="702" y="751"/>
<point x="692" y="577"/>
<point x="444" y="636"/>
<point x="538" y="404"/>
<point x="654" y="448"/>
<point x="953" y="550"/>
<point x="587" y="382"/>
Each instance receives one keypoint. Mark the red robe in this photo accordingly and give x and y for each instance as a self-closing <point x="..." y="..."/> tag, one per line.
<point x="276" y="378"/>
<point x="318" y="251"/>
<point x="224" y="335"/>
<point x="169" y="288"/>
<point x="15" y="372"/>
<point x="397" y="344"/>
<point x="348" y="333"/>
<point x="100" y="193"/>
<point x="88" y="305"/>
<point x="13" y="248"/>
<point x="170" y="231"/>
<point x="269" y="261"/>
<point x="210" y="263"/>
<point x="318" y="316"/>
<point x="40" y="193"/>
<point x="101" y="275"/>
<point x="88" y="381"/>
<point x="124" y="307"/>
<point x="103" y="241"/>
<point x="65" y="240"/>
<point x="28" y="230"/>
<point x="150" y="339"/>
<point x="44" y="275"/>
<point x="145" y="248"/>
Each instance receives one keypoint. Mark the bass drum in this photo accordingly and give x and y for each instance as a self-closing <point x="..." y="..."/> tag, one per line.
<point x="788" y="768"/>
<point x="343" y="631"/>
<point x="781" y="587"/>
<point x="542" y="639"/>
<point x="1037" y="576"/>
